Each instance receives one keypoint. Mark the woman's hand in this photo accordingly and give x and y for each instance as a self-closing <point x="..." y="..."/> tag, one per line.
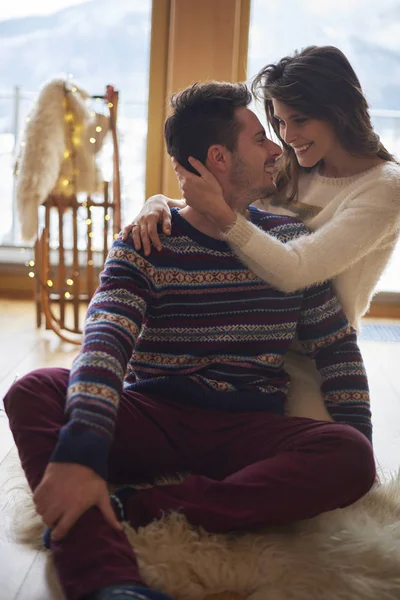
<point x="204" y="193"/>
<point x="144" y="227"/>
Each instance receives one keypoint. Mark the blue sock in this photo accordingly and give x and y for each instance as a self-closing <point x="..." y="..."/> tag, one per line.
<point x="128" y="591"/>
<point x="118" y="500"/>
<point x="46" y="537"/>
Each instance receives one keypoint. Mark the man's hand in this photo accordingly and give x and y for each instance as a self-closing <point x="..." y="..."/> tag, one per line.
<point x="68" y="490"/>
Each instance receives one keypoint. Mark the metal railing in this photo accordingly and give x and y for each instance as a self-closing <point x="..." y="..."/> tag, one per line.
<point x="386" y="122"/>
<point x="13" y="128"/>
<point x="132" y="124"/>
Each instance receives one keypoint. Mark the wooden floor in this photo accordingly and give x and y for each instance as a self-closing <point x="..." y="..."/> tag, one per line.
<point x="23" y="348"/>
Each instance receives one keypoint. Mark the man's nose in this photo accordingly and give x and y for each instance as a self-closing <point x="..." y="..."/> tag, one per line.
<point x="274" y="150"/>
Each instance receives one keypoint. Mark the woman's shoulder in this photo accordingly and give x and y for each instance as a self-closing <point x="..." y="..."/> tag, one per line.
<point x="381" y="186"/>
<point x="377" y="187"/>
<point x="384" y="173"/>
<point x="390" y="174"/>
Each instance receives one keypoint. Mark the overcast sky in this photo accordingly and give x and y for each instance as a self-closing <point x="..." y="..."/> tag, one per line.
<point x="24" y="8"/>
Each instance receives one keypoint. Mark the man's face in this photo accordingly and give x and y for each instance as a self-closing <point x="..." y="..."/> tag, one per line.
<point x="253" y="162"/>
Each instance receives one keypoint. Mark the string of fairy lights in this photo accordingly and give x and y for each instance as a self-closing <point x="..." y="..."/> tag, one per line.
<point x="66" y="184"/>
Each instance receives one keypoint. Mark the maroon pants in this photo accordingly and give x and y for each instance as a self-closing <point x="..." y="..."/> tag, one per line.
<point x="247" y="470"/>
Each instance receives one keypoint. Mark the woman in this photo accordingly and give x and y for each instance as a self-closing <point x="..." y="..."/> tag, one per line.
<point x="333" y="173"/>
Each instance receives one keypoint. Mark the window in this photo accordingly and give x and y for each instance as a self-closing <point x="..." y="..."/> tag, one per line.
<point x="367" y="32"/>
<point x="99" y="43"/>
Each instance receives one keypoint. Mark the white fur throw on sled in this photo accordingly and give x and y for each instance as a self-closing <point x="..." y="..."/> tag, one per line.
<point x="60" y="122"/>
<point x="346" y="554"/>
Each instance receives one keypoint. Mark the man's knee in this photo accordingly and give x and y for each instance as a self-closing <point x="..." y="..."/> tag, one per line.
<point x="354" y="462"/>
<point x="18" y="392"/>
<point x="27" y="388"/>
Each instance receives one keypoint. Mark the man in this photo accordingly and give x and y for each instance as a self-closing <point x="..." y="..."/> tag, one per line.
<point x="181" y="369"/>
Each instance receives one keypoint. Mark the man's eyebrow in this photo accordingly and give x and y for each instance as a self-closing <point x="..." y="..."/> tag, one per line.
<point x="261" y="132"/>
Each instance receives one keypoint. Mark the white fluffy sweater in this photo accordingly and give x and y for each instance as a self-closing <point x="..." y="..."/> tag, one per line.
<point x="353" y="237"/>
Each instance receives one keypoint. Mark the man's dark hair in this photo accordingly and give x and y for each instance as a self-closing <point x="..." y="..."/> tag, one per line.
<point x="204" y="114"/>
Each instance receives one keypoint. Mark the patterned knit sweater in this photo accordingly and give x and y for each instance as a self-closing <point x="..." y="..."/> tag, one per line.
<point x="192" y="324"/>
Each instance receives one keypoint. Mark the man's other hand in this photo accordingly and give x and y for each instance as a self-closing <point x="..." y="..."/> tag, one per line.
<point x="68" y="490"/>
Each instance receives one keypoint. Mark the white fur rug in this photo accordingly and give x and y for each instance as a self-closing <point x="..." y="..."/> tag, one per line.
<point x="348" y="554"/>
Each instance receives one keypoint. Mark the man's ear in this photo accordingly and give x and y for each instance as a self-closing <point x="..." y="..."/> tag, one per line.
<point x="218" y="158"/>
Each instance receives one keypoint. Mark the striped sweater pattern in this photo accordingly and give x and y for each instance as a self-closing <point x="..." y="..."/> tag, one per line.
<point x="194" y="325"/>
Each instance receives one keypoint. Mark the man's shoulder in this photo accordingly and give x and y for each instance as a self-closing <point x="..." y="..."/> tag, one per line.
<point x="124" y="257"/>
<point x="284" y="227"/>
<point x="122" y="249"/>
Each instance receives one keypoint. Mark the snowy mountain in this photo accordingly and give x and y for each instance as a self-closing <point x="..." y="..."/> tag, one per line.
<point x="99" y="42"/>
<point x="368" y="32"/>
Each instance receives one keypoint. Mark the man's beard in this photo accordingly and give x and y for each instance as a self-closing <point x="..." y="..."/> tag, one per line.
<point x="243" y="188"/>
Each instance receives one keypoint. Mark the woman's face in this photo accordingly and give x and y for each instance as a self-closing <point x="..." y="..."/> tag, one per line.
<point x="311" y="139"/>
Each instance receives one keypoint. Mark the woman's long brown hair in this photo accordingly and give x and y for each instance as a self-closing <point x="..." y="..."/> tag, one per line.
<point x="317" y="82"/>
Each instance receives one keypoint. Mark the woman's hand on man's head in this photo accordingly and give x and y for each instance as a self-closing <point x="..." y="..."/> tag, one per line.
<point x="204" y="193"/>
